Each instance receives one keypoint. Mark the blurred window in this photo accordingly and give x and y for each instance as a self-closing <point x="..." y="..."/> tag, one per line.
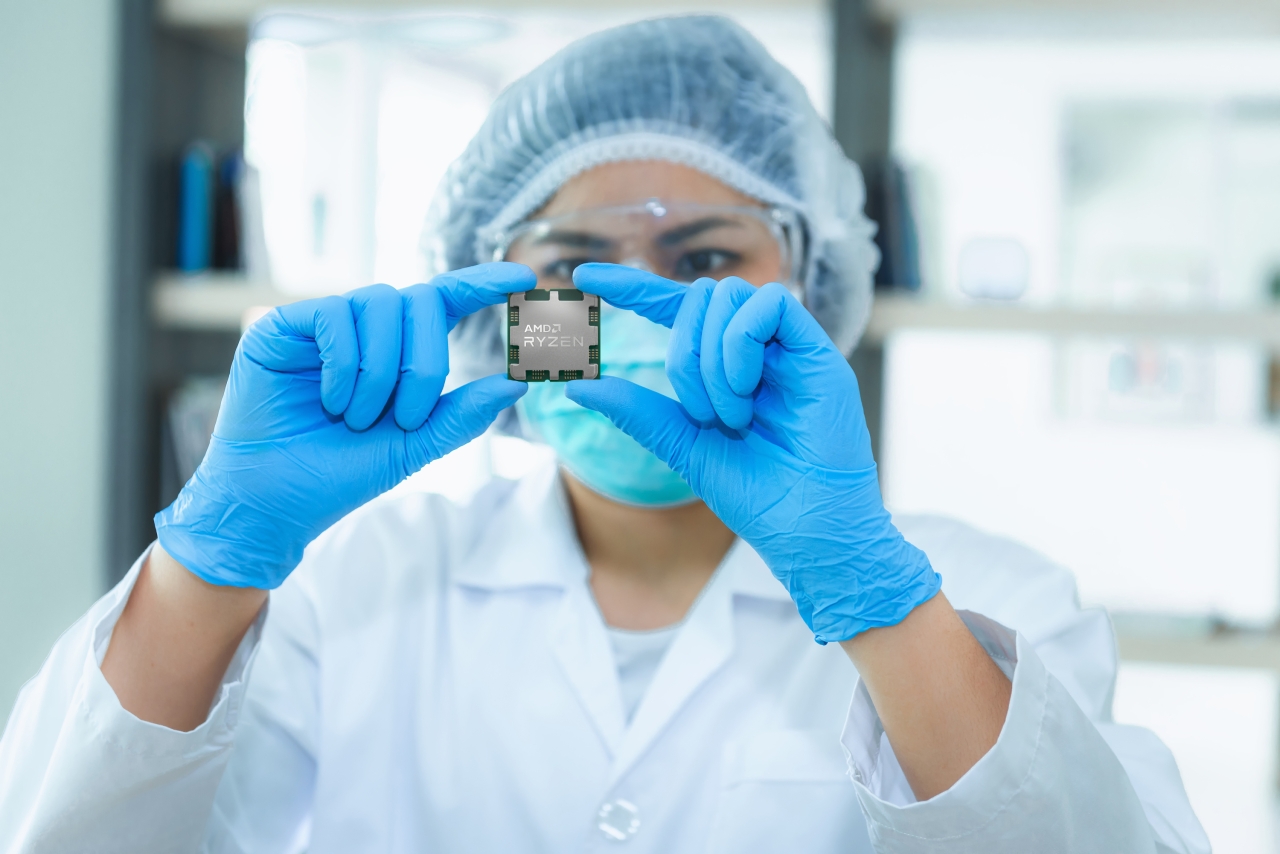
<point x="1133" y="174"/>
<point x="1220" y="723"/>
<point x="1129" y="168"/>
<point x="351" y="120"/>
<point x="1160" y="511"/>
<point x="1113" y="174"/>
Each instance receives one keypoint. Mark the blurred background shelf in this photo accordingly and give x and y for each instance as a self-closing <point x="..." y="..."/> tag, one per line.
<point x="219" y="302"/>
<point x="1227" y="649"/>
<point x="213" y="301"/>
<point x="893" y="313"/>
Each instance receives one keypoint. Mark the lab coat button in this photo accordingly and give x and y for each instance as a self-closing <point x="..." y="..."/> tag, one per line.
<point x="618" y="820"/>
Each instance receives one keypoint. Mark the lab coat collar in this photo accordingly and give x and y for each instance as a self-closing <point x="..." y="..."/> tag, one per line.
<point x="531" y="542"/>
<point x="703" y="645"/>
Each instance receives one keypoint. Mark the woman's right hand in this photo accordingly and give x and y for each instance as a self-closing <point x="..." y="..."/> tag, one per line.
<point x="330" y="403"/>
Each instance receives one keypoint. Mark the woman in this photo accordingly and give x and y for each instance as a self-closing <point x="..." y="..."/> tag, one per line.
<point x="620" y="646"/>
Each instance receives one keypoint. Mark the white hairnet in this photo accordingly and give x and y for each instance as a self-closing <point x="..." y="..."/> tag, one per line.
<point x="698" y="91"/>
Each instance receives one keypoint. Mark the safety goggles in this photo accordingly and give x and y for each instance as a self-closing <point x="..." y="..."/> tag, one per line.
<point x="680" y="241"/>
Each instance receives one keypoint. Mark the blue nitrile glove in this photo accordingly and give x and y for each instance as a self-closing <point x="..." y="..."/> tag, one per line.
<point x="772" y="437"/>
<point x="331" y="402"/>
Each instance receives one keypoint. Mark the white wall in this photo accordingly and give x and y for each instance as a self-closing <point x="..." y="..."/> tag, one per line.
<point x="57" y="68"/>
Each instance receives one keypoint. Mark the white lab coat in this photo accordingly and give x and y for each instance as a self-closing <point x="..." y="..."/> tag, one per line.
<point x="437" y="677"/>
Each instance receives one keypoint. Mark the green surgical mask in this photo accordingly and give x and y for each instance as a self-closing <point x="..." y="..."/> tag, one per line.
<point x="593" y="450"/>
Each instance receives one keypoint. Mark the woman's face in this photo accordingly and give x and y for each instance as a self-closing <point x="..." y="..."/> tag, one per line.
<point x="702" y="227"/>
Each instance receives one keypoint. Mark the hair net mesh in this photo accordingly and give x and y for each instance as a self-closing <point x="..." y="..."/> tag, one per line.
<point x="696" y="90"/>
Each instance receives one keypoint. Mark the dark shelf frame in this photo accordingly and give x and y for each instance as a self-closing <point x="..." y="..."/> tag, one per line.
<point x="176" y="84"/>
<point x="862" y="120"/>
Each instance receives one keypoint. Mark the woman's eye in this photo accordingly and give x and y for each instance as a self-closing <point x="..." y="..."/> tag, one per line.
<point x="703" y="262"/>
<point x="563" y="268"/>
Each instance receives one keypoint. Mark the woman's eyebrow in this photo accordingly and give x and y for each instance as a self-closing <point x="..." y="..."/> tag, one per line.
<point x="575" y="239"/>
<point x="690" y="229"/>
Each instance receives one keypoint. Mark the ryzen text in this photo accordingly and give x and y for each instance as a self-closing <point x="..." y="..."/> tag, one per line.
<point x="555" y="341"/>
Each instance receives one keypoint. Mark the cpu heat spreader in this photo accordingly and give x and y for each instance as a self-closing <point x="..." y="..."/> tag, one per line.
<point x="553" y="335"/>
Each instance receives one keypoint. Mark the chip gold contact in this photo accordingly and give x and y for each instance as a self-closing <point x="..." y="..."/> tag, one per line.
<point x="553" y="335"/>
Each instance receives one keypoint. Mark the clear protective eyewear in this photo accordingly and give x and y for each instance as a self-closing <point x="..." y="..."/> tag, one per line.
<point x="678" y="240"/>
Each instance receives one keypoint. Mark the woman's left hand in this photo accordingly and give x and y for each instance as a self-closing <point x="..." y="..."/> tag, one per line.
<point x="770" y="433"/>
<point x="772" y="437"/>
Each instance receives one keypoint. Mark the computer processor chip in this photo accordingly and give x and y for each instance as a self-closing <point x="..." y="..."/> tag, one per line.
<point x="553" y="334"/>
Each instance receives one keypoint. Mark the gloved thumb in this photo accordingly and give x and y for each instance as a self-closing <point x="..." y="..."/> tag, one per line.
<point x="657" y="422"/>
<point x="460" y="416"/>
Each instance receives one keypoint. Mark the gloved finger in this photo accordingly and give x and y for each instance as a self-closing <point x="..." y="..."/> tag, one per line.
<point x="684" y="352"/>
<point x="771" y="312"/>
<point x="734" y="409"/>
<point x="460" y="416"/>
<point x="655" y="421"/>
<point x="774" y="321"/>
<point x="424" y="359"/>
<point x="648" y="295"/>
<point x="470" y="289"/>
<point x="314" y="333"/>
<point x="379" y="327"/>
